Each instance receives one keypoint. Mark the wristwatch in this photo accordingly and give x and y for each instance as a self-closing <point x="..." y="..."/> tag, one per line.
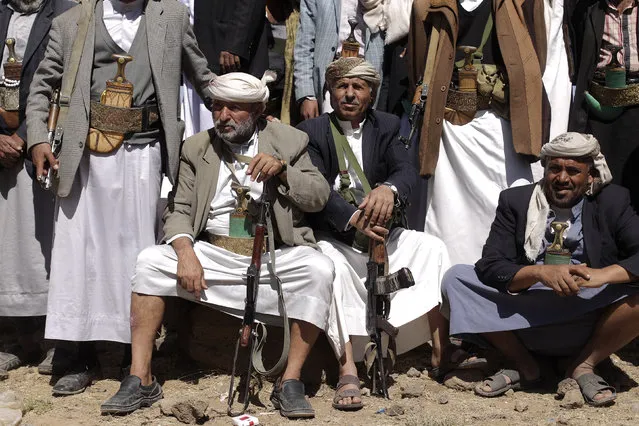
<point x="392" y="188"/>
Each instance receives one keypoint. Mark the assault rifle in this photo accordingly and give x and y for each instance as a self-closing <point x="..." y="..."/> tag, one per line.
<point x="248" y="334"/>
<point x="54" y="137"/>
<point x="379" y="287"/>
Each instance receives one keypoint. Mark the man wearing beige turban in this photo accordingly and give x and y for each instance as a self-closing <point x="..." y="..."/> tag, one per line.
<point x="205" y="260"/>
<point x="370" y="185"/>
<point x="558" y="275"/>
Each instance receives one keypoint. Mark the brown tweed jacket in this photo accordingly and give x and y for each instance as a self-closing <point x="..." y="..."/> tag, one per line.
<point x="307" y="190"/>
<point x="521" y="34"/>
<point x="172" y="50"/>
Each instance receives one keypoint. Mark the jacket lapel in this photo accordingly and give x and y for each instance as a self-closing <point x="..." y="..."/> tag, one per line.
<point x="155" y="33"/>
<point x="39" y="31"/>
<point x="337" y="5"/>
<point x="592" y="235"/>
<point x="5" y="17"/>
<point x="86" y="64"/>
<point x="208" y="169"/>
<point x="369" y="142"/>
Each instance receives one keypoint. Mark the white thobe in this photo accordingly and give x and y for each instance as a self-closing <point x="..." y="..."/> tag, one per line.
<point x="26" y="217"/>
<point x="425" y="256"/>
<point x="557" y="75"/>
<point x="476" y="162"/>
<point x="306" y="274"/>
<point x="100" y="228"/>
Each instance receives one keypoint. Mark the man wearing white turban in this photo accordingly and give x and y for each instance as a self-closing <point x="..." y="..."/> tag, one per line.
<point x="558" y="275"/>
<point x="205" y="258"/>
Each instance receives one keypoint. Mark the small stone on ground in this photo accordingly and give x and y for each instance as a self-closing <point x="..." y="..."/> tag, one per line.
<point x="412" y="390"/>
<point x="572" y="399"/>
<point x="521" y="406"/>
<point x="413" y="372"/>
<point x="394" y="410"/>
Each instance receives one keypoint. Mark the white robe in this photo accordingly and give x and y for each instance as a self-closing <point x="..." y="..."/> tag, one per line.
<point x="476" y="162"/>
<point x="425" y="256"/>
<point x="557" y="75"/>
<point x="306" y="277"/>
<point x="100" y="228"/>
<point x="26" y="232"/>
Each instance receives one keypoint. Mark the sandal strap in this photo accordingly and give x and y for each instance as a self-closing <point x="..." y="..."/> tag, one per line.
<point x="499" y="379"/>
<point x="348" y="379"/>
<point x="591" y="385"/>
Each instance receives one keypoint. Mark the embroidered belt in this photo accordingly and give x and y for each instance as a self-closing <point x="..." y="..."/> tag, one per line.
<point x="241" y="246"/>
<point x="124" y="120"/>
<point x="469" y="102"/>
<point x="627" y="96"/>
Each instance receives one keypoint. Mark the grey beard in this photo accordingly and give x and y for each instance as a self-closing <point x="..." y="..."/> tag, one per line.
<point x="242" y="133"/>
<point x="26" y="6"/>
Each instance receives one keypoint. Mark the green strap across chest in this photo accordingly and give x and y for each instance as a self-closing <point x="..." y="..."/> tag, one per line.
<point x="344" y="151"/>
<point x="479" y="53"/>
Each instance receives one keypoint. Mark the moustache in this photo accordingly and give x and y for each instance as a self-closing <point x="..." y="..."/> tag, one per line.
<point x="219" y="124"/>
<point x="354" y="102"/>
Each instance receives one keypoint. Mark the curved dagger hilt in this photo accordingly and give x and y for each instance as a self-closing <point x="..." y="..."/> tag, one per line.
<point x="121" y="60"/>
<point x="11" y="46"/>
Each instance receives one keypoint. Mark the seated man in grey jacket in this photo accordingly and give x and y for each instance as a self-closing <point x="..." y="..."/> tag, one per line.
<point x="205" y="259"/>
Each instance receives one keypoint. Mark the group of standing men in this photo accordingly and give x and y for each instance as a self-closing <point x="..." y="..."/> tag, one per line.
<point x="342" y="176"/>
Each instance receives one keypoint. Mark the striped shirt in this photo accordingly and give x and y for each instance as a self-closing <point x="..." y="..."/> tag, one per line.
<point x="620" y="29"/>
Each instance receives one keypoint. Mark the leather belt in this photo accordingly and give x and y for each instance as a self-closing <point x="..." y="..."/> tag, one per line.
<point x="468" y="102"/>
<point x="241" y="246"/>
<point x="124" y="120"/>
<point x="627" y="96"/>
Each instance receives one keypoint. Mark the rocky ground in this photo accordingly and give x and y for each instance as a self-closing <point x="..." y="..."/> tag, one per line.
<point x="197" y="394"/>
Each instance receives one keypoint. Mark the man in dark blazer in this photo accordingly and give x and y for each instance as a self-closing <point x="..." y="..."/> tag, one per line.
<point x="554" y="278"/>
<point x="233" y="35"/>
<point x="26" y="210"/>
<point x="597" y="26"/>
<point x="359" y="153"/>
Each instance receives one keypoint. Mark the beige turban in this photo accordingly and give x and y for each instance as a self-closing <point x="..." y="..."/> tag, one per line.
<point x="351" y="68"/>
<point x="566" y="145"/>
<point x="240" y="87"/>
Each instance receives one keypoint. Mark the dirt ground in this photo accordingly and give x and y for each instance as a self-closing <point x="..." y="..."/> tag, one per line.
<point x="437" y="405"/>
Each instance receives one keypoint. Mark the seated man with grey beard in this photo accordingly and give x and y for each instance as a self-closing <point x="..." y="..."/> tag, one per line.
<point x="558" y="274"/>
<point x="206" y="256"/>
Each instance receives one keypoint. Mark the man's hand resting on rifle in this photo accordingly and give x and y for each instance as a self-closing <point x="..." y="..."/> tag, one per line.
<point x="190" y="274"/>
<point x="378" y="205"/>
<point x="359" y="221"/>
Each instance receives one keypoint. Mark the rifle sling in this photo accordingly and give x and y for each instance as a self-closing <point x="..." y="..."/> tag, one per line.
<point x="344" y="151"/>
<point x="71" y="70"/>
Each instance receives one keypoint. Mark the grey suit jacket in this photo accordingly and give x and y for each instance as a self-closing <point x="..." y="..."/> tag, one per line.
<point x="317" y="41"/>
<point x="307" y="190"/>
<point x="172" y="50"/>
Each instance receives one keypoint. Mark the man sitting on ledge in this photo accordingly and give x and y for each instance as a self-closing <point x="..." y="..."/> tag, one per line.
<point x="553" y="277"/>
<point x="196" y="265"/>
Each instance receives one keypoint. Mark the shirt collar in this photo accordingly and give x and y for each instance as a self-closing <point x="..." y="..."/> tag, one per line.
<point x="612" y="4"/>
<point x="244" y="147"/>
<point x="347" y="127"/>
<point x="575" y="211"/>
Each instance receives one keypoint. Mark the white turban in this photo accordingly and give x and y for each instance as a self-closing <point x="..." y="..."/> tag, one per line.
<point x="566" y="145"/>
<point x="240" y="87"/>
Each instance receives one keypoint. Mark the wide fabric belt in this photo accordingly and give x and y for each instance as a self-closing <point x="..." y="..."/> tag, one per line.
<point x="468" y="102"/>
<point x="124" y="120"/>
<point x="622" y="97"/>
<point x="241" y="246"/>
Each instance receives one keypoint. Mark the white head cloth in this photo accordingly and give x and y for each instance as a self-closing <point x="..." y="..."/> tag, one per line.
<point x="566" y="145"/>
<point x="240" y="87"/>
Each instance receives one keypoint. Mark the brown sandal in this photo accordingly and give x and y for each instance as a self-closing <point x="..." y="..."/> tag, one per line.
<point x="347" y="379"/>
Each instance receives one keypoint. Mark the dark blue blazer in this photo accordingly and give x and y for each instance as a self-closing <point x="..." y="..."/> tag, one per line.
<point x="385" y="160"/>
<point x="36" y="46"/>
<point x="610" y="228"/>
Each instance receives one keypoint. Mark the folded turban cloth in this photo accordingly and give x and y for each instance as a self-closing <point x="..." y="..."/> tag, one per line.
<point x="350" y="68"/>
<point x="566" y="145"/>
<point x="240" y="87"/>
